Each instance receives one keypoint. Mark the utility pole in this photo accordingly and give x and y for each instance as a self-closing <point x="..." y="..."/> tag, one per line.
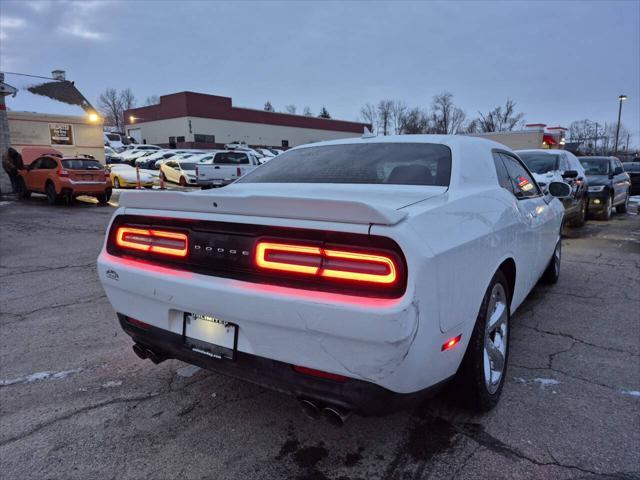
<point x="595" y="141"/>
<point x="621" y="98"/>
<point x="626" y="148"/>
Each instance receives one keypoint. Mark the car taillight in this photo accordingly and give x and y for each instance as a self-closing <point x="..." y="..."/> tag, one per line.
<point x="331" y="263"/>
<point x="62" y="173"/>
<point x="153" y="241"/>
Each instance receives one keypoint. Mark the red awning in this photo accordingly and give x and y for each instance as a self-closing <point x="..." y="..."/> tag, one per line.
<point x="549" y="140"/>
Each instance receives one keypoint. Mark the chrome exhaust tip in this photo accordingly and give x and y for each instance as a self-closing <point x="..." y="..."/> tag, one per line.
<point x="310" y="408"/>
<point x="336" y="416"/>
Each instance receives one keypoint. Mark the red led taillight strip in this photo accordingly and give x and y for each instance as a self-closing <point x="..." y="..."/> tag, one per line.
<point x="153" y="241"/>
<point x="329" y="263"/>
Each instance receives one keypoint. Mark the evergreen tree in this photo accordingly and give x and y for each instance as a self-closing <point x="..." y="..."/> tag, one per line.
<point x="324" y="113"/>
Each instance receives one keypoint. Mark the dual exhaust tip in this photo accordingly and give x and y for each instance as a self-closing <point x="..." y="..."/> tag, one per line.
<point x="144" y="353"/>
<point x="333" y="414"/>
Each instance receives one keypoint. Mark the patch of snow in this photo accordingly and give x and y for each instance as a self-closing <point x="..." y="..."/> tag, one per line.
<point x="38" y="376"/>
<point x="188" y="371"/>
<point x="632" y="393"/>
<point x="112" y="384"/>
<point x="519" y="380"/>
<point x="545" y="382"/>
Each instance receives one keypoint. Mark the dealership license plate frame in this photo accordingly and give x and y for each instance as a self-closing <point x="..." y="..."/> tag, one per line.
<point x="219" y="352"/>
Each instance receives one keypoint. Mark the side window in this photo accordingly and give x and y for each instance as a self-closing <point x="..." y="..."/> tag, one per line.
<point x="564" y="164"/>
<point x="523" y="185"/>
<point x="501" y="170"/>
<point x="35" y="165"/>
<point x="48" y="163"/>
<point x="220" y="159"/>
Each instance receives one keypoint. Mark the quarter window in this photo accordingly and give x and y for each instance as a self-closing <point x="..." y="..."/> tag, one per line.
<point x="521" y="181"/>
<point x="501" y="170"/>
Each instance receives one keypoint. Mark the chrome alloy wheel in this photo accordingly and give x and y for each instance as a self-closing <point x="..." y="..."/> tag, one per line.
<point x="495" y="338"/>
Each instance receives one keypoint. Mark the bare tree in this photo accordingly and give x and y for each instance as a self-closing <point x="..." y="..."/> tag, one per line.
<point x="445" y="117"/>
<point x="586" y="134"/>
<point x="307" y="112"/>
<point x="414" y="121"/>
<point x="499" y="119"/>
<point x="110" y="106"/>
<point x="385" y="108"/>
<point x="398" y="110"/>
<point x="369" y="114"/>
<point x="152" y="100"/>
<point x="290" y="109"/>
<point x="127" y="98"/>
<point x="268" y="107"/>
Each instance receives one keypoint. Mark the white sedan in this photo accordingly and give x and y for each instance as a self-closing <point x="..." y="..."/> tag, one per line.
<point x="182" y="172"/>
<point x="358" y="275"/>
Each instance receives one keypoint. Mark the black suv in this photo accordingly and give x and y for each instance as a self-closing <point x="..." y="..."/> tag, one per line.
<point x="633" y="169"/>
<point x="609" y="186"/>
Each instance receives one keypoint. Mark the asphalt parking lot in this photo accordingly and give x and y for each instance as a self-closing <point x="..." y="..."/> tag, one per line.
<point x="75" y="402"/>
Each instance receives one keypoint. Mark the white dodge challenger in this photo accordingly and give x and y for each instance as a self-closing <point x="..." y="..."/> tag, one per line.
<point x="357" y="275"/>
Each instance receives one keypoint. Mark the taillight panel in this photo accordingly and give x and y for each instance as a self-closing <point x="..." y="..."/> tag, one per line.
<point x="353" y="264"/>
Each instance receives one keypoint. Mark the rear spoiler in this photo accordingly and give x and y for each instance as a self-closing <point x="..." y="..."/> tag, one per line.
<point x="301" y="208"/>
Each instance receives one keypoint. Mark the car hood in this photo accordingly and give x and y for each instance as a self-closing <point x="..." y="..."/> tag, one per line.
<point x="595" y="180"/>
<point x="546" y="178"/>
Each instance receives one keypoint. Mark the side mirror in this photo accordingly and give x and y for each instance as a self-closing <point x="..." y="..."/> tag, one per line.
<point x="560" y="189"/>
<point x="617" y="170"/>
<point x="570" y="174"/>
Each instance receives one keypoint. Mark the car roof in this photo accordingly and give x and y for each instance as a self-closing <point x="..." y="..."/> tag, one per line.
<point x="29" y="154"/>
<point x="540" y="150"/>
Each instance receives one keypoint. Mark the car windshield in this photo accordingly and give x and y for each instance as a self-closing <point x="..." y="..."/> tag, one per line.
<point x="188" y="166"/>
<point x="595" y="166"/>
<point x="539" y="162"/>
<point x="81" y="164"/>
<point x="114" y="137"/>
<point x="372" y="163"/>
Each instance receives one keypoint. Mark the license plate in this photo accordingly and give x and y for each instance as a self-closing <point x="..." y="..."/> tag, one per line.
<point x="217" y="182"/>
<point x="210" y="336"/>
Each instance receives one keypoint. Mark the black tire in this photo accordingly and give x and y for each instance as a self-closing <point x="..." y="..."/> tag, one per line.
<point x="183" y="182"/>
<point x="472" y="373"/>
<point x="552" y="272"/>
<point x="581" y="218"/>
<point x="623" y="207"/>
<point x="605" y="214"/>
<point x="52" y="197"/>
<point x="23" y="193"/>
<point x="104" y="198"/>
<point x="116" y="182"/>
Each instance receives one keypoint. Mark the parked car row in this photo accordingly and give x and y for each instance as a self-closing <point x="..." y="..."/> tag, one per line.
<point x="598" y="184"/>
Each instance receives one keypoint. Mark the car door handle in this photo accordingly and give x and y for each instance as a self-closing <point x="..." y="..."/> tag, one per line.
<point x="216" y="168"/>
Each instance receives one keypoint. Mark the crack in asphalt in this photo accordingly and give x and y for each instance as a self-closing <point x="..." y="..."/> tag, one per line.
<point x="51" y="307"/>
<point x="477" y="433"/>
<point x="41" y="268"/>
<point x="578" y="340"/>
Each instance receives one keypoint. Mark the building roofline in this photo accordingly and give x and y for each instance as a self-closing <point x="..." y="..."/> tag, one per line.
<point x="193" y="104"/>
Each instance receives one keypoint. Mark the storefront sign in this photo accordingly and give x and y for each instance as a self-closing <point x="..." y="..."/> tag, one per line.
<point x="61" y="133"/>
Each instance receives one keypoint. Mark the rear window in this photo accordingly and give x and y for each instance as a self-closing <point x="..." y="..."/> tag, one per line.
<point x="81" y="164"/>
<point x="595" y="166"/>
<point x="373" y="163"/>
<point x="188" y="166"/>
<point x="114" y="137"/>
<point x="540" y="162"/>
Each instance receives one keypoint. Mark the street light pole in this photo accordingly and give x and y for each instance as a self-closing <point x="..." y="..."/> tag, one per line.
<point x="621" y="98"/>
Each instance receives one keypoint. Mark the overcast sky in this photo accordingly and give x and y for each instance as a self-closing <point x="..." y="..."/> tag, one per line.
<point x="560" y="61"/>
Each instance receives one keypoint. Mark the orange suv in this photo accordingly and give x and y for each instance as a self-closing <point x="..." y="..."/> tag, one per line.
<point x="62" y="178"/>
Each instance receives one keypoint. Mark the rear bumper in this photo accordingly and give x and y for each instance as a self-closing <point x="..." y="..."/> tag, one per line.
<point x="364" y="398"/>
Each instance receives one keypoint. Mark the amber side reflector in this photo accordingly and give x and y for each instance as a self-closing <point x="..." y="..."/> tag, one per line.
<point x="451" y="343"/>
<point x="153" y="241"/>
<point x="328" y="263"/>
<point x="320" y="374"/>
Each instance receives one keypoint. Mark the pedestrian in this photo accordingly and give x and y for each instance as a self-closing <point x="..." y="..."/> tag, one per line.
<point x="12" y="164"/>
